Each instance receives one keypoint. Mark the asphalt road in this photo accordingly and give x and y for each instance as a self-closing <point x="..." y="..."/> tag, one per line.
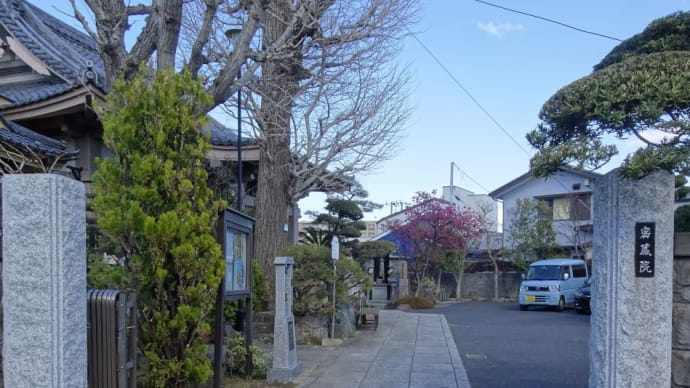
<point x="502" y="346"/>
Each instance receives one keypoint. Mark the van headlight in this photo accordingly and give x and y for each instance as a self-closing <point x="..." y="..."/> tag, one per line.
<point x="523" y="288"/>
<point x="556" y="287"/>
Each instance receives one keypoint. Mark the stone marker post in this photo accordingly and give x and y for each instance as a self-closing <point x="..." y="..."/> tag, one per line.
<point x="632" y="280"/>
<point x="286" y="367"/>
<point x="404" y="279"/>
<point x="44" y="281"/>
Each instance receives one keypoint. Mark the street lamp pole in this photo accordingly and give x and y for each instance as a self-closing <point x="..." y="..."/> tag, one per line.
<point x="233" y="34"/>
<point x="239" y="142"/>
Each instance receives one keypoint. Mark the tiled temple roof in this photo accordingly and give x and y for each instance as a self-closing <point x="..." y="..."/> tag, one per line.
<point x="67" y="52"/>
<point x="24" y="138"/>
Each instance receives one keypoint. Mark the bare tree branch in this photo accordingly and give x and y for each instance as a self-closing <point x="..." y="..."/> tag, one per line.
<point x="320" y="88"/>
<point x="85" y="24"/>
<point x="196" y="57"/>
<point x="169" y="20"/>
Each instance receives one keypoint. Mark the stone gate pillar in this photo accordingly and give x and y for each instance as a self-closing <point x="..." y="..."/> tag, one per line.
<point x="44" y="281"/>
<point x="632" y="281"/>
<point x="286" y="366"/>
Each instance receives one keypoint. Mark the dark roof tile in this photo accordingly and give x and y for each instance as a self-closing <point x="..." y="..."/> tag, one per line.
<point x="20" y="136"/>
<point x="64" y="49"/>
<point x="224" y="136"/>
<point x="27" y="93"/>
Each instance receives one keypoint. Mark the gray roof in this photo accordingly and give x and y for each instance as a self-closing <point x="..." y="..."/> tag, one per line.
<point x="65" y="50"/>
<point x="22" y="137"/>
<point x="224" y="136"/>
<point x="27" y="93"/>
<point x="499" y="192"/>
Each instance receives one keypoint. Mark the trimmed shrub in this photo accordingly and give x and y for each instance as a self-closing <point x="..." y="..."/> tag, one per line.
<point x="313" y="279"/>
<point x="415" y="302"/>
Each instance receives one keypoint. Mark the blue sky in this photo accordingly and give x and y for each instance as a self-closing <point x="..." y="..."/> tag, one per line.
<point x="511" y="64"/>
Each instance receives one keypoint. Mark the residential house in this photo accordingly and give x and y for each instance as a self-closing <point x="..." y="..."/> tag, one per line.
<point x="487" y="208"/>
<point x="568" y="193"/>
<point x="383" y="224"/>
<point x="371" y="230"/>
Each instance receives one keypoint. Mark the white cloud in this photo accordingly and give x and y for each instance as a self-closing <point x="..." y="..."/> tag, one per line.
<point x="633" y="143"/>
<point x="499" y="29"/>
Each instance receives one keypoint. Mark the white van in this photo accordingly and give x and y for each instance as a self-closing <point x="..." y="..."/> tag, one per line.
<point x="552" y="282"/>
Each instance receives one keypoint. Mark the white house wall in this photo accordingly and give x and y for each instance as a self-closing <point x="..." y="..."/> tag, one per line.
<point x="557" y="185"/>
<point x="476" y="202"/>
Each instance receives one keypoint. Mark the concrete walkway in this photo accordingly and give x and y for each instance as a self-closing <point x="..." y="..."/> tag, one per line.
<point x="407" y="350"/>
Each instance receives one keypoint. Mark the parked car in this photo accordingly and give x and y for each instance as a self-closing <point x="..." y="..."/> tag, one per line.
<point x="552" y="282"/>
<point x="582" y="298"/>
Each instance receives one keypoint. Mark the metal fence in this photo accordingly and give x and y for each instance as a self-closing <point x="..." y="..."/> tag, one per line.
<point x="112" y="352"/>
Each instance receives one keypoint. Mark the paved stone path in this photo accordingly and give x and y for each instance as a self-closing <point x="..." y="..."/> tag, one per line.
<point x="407" y="350"/>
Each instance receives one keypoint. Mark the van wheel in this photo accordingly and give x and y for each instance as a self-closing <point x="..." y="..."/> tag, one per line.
<point x="523" y="307"/>
<point x="561" y="304"/>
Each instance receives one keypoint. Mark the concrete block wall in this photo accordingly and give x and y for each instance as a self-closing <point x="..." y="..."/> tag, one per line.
<point x="680" y="352"/>
<point x="480" y="285"/>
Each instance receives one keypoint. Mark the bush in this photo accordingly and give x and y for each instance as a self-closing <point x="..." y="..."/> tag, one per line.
<point x="313" y="279"/>
<point x="237" y="352"/>
<point x="153" y="203"/>
<point x="260" y="299"/>
<point x="101" y="275"/>
<point x="682" y="219"/>
<point x="415" y="302"/>
<point x="428" y="290"/>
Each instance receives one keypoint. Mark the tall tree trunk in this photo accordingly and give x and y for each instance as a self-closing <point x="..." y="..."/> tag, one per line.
<point x="458" y="283"/>
<point x="458" y="278"/>
<point x="496" y="273"/>
<point x="169" y="24"/>
<point x="271" y="207"/>
<point x="275" y="189"/>
<point x="419" y="283"/>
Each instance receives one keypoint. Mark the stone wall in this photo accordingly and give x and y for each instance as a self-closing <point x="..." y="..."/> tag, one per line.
<point x="680" y="354"/>
<point x="480" y="285"/>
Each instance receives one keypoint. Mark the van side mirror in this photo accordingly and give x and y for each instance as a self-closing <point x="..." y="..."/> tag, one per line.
<point x="566" y="276"/>
<point x="522" y="276"/>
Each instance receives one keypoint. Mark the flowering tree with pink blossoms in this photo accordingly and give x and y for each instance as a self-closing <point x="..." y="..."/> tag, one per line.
<point x="432" y="229"/>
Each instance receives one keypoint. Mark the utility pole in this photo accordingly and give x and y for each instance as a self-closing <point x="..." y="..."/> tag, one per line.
<point x="452" y="164"/>
<point x="335" y="254"/>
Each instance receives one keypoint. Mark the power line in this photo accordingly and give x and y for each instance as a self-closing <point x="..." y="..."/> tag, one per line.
<point x="476" y="102"/>
<point x="467" y="92"/>
<point x="470" y="178"/>
<point x="548" y="20"/>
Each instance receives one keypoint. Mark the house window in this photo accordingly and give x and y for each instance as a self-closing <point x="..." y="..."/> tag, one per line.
<point x="570" y="208"/>
<point x="561" y="209"/>
<point x="581" y="207"/>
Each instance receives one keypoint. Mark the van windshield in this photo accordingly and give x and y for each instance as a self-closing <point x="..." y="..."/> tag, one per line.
<point x="544" y="272"/>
